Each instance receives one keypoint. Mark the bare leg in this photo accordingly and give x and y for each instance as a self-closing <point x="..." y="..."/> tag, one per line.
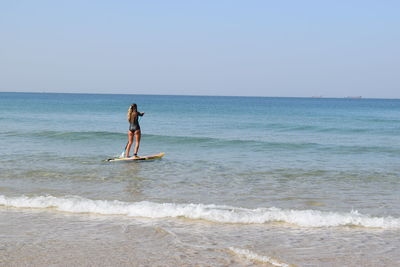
<point x="137" y="141"/>
<point x="130" y="141"/>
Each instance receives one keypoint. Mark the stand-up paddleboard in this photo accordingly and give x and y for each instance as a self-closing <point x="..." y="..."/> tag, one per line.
<point x="156" y="156"/>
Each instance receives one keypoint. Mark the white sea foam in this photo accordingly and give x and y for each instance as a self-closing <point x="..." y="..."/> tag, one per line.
<point x="214" y="213"/>
<point x="255" y="257"/>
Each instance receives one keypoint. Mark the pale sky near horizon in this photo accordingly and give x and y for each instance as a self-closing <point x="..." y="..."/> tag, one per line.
<point x="222" y="47"/>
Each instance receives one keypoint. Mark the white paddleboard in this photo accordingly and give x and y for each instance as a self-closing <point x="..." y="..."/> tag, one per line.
<point x="156" y="156"/>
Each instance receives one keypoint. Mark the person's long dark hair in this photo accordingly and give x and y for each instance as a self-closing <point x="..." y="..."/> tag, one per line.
<point x="132" y="113"/>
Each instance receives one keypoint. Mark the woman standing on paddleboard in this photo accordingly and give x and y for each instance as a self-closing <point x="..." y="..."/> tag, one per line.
<point x="134" y="130"/>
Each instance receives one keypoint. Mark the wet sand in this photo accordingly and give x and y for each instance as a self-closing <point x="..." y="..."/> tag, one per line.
<point x="43" y="238"/>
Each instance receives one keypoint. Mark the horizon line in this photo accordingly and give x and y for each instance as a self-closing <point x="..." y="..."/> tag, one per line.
<point x="199" y="95"/>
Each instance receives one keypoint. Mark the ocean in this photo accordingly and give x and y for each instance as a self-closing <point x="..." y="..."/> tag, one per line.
<point x="245" y="181"/>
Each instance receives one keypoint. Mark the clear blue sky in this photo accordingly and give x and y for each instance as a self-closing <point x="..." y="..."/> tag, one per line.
<point x="333" y="48"/>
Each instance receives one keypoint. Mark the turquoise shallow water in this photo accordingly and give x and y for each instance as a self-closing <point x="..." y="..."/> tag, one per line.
<point x="308" y="163"/>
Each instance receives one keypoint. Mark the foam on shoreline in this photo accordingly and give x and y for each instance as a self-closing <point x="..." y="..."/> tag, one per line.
<point x="245" y="253"/>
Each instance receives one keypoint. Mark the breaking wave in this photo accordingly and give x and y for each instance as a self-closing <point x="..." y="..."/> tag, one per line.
<point x="213" y="213"/>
